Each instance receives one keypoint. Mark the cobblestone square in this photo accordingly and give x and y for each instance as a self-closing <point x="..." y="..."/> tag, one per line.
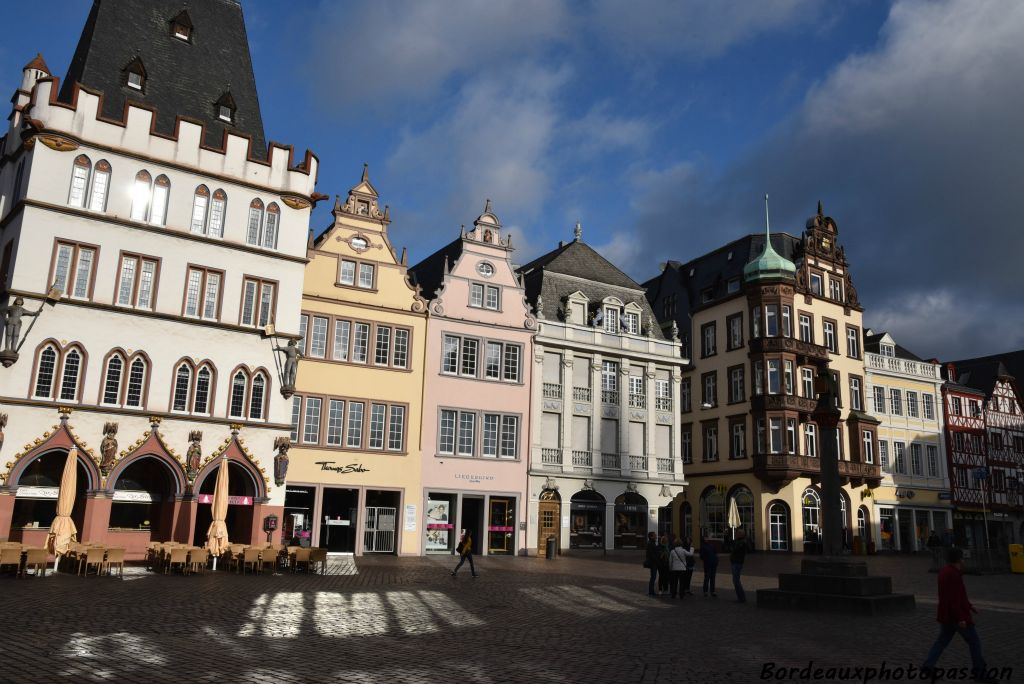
<point x="387" y="619"/>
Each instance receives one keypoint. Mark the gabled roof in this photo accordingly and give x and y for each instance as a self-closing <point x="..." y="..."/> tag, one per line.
<point x="184" y="78"/>
<point x="982" y="372"/>
<point x="579" y="259"/>
<point x="873" y="343"/>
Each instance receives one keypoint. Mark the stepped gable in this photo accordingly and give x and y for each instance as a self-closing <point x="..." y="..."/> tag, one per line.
<point x="190" y="77"/>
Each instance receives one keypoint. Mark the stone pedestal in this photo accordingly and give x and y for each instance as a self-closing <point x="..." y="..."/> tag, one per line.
<point x="835" y="585"/>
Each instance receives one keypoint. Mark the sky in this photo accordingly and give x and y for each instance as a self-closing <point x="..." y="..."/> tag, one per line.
<point x="660" y="126"/>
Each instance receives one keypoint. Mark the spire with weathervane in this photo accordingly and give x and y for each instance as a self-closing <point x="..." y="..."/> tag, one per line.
<point x="770" y="264"/>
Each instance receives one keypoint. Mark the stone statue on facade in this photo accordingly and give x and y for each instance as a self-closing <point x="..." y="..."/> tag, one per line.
<point x="291" y="365"/>
<point x="13" y="314"/>
<point x="194" y="455"/>
<point x="3" y="424"/>
<point x="108" y="448"/>
<point x="282" y="444"/>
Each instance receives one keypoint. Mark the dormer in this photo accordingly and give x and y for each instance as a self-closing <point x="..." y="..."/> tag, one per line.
<point x="576" y="308"/>
<point x="134" y="75"/>
<point x="363" y="201"/>
<point x="487" y="228"/>
<point x="608" y="315"/>
<point x="224" y="108"/>
<point x="181" y="26"/>
<point x="631" y="318"/>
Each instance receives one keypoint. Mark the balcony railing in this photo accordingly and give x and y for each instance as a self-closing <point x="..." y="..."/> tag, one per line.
<point x="761" y="345"/>
<point x="638" y="401"/>
<point x="581" y="393"/>
<point x="610" y="397"/>
<point x="583" y="459"/>
<point x="551" y="456"/>
<point x="638" y="463"/>
<point x="610" y="461"/>
<point x="891" y="364"/>
<point x="663" y="403"/>
<point x="665" y="465"/>
<point x="784" y="468"/>
<point x="552" y="390"/>
<point x="780" y="402"/>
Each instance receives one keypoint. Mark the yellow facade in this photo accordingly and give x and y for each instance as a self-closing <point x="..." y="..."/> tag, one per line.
<point x="355" y="462"/>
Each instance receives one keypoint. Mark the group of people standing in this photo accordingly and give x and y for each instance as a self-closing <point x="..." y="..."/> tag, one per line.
<point x="671" y="565"/>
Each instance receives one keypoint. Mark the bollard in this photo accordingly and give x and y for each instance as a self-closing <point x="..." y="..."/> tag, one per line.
<point x="552" y="548"/>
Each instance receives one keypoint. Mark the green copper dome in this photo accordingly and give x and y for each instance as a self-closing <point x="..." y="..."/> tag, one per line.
<point x="769" y="265"/>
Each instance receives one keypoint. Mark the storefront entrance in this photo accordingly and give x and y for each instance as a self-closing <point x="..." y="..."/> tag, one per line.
<point x="630" y="521"/>
<point x="586" y="516"/>
<point x="36" y="504"/>
<point x="549" y="510"/>
<point x="471" y="519"/>
<point x="501" y="526"/>
<point x="380" y="519"/>
<point x="299" y="506"/>
<point x="339" y="519"/>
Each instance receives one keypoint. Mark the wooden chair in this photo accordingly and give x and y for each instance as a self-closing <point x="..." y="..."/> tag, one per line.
<point x="11" y="556"/>
<point x="36" y="558"/>
<point x="115" y="558"/>
<point x="95" y="556"/>
<point x="176" y="556"/>
<point x="251" y="558"/>
<point x="268" y="559"/>
<point x="318" y="559"/>
<point x="301" y="557"/>
<point x="197" y="560"/>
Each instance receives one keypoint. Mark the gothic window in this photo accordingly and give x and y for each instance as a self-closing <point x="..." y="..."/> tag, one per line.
<point x="112" y="380"/>
<point x="45" y="369"/>
<point x="70" y="375"/>
<point x="200" y="210"/>
<point x="238" y="388"/>
<point x="79" y="181"/>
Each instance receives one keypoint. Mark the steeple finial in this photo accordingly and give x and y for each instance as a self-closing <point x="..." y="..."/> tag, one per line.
<point x="366" y="173"/>
<point x="767" y="227"/>
<point x="487" y="207"/>
<point x="578" y="232"/>
<point x="820" y="211"/>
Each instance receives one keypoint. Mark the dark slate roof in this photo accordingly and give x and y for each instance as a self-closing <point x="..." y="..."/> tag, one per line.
<point x="981" y="373"/>
<point x="576" y="266"/>
<point x="429" y="273"/>
<point x="872" y="343"/>
<point x="183" y="79"/>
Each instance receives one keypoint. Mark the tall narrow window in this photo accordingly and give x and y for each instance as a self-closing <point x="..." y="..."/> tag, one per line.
<point x="259" y="389"/>
<point x="147" y="279"/>
<point x="347" y="276"/>
<point x="161" y="195"/>
<point x="266" y="304"/>
<point x="112" y="380"/>
<point x="201" y="404"/>
<point x="810" y="439"/>
<point x="450" y="354"/>
<point x="202" y="293"/>
<point x="396" y="429"/>
<point x="311" y="422"/>
<point x="512" y="362"/>
<point x="193" y="286"/>
<point x="476" y="294"/>
<point x="446" y="432"/>
<point x="79" y="181"/>
<point x="270" y="228"/>
<point x="238" y="385"/>
<point x="255" y="223"/>
<point x="318" y="337"/>
<point x="136" y="383"/>
<point x="217" y="209"/>
<point x="467" y="428"/>
<point x="69" y="376"/>
<point x="296" y="414"/>
<point x="335" y="418"/>
<point x="341" y="335"/>
<point x="45" y="372"/>
<point x="200" y="209"/>
<point x="83" y="272"/>
<point x="354" y="436"/>
<point x="361" y="343"/>
<point x="869" y="447"/>
<point x="378" y="413"/>
<point x="807" y="379"/>
<point x="489" y="435"/>
<point x="401" y="357"/>
<point x="492" y="361"/>
<point x="126" y="287"/>
<point x="182" y="384"/>
<point x="382" y="349"/>
<point x="366" y="275"/>
<point x="211" y="296"/>
<point x="249" y="288"/>
<point x="492" y="298"/>
<point x="787" y="320"/>
<point x="100" y="186"/>
<point x="509" y="436"/>
<point x="469" y="354"/>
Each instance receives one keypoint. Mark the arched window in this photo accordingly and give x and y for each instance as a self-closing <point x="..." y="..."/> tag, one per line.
<point x="217" y="208"/>
<point x="112" y="380"/>
<point x="778" y="527"/>
<point x="136" y="383"/>
<point x="238" y="387"/>
<point x="255" y="224"/>
<point x="45" y="371"/>
<point x="141" y="196"/>
<point x="712" y="514"/>
<point x="256" y="397"/>
<point x="862" y="524"/>
<point x="200" y="209"/>
<point x="204" y="380"/>
<point x="810" y="503"/>
<point x="79" y="181"/>
<point x="70" y="375"/>
<point x="182" y="385"/>
<point x="100" y="186"/>
<point x="161" y="195"/>
<point x="270" y="228"/>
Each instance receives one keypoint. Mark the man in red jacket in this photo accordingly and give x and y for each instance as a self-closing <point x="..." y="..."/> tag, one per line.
<point x="955" y="617"/>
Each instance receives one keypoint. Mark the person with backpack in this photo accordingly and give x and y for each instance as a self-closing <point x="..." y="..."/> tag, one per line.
<point x="709" y="557"/>
<point x="465" y="549"/>
<point x="651" y="556"/>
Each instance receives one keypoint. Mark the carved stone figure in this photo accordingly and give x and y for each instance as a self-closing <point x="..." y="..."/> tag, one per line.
<point x="540" y="306"/>
<point x="194" y="455"/>
<point x="282" y="444"/>
<point x="13" y="314"/>
<point x="108" y="448"/>
<point x="3" y="424"/>
<point x="675" y="332"/>
<point x="291" y="363"/>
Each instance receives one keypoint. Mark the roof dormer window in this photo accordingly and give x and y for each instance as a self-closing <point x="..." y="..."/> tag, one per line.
<point x="225" y="108"/>
<point x="134" y="80"/>
<point x="225" y="113"/>
<point x="181" y="27"/>
<point x="135" y="75"/>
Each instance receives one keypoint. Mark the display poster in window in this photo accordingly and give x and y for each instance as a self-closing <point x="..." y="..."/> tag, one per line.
<point x="439" y="528"/>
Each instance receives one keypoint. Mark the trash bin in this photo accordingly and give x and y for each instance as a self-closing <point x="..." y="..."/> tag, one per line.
<point x="552" y="548"/>
<point x="1017" y="558"/>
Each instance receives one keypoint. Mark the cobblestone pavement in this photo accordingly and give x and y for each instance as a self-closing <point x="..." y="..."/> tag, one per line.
<point x="386" y="619"/>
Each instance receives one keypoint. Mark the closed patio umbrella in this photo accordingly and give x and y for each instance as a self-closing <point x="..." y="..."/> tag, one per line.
<point x="734" y="517"/>
<point x="217" y="536"/>
<point x="62" y="530"/>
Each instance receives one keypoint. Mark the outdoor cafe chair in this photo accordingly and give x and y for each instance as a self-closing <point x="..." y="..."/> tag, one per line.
<point x="177" y="556"/>
<point x="36" y="558"/>
<point x="11" y="555"/>
<point x="301" y="557"/>
<point x="115" y="558"/>
<point x="318" y="560"/>
<point x="93" y="557"/>
<point x="197" y="560"/>
<point x="268" y="558"/>
<point x="251" y="558"/>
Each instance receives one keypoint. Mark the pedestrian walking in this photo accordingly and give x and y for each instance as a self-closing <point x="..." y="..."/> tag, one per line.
<point x="736" y="558"/>
<point x="709" y="558"/>
<point x="465" y="549"/>
<point x="691" y="562"/>
<point x="651" y="554"/>
<point x="955" y="617"/>
<point x="663" y="565"/>
<point x="677" y="566"/>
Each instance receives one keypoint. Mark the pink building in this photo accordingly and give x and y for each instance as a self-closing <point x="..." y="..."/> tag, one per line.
<point x="476" y="404"/>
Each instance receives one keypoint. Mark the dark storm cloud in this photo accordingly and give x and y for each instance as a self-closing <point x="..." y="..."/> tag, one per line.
<point x="917" y="150"/>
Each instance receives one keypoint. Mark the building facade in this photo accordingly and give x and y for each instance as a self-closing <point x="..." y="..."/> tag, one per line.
<point x="354" y="476"/>
<point x="764" y="318"/>
<point x="604" y="462"/>
<point x="904" y="393"/>
<point x="171" y="263"/>
<point x="476" y="392"/>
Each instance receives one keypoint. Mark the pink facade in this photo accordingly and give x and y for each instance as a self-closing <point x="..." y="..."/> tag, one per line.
<point x="476" y="405"/>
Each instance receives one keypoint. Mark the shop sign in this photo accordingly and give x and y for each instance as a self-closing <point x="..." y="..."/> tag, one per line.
<point x="38" y="492"/>
<point x="232" y="500"/>
<point x="475" y="479"/>
<point x="343" y="469"/>
<point x="135" y="496"/>
<point x="945" y="496"/>
<point x="410" y="518"/>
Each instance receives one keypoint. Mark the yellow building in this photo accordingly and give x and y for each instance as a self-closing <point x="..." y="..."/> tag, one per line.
<point x="760" y="318"/>
<point x="354" y="475"/>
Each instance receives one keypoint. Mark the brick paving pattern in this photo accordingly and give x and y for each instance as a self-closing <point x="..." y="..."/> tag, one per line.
<point x="404" y="620"/>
